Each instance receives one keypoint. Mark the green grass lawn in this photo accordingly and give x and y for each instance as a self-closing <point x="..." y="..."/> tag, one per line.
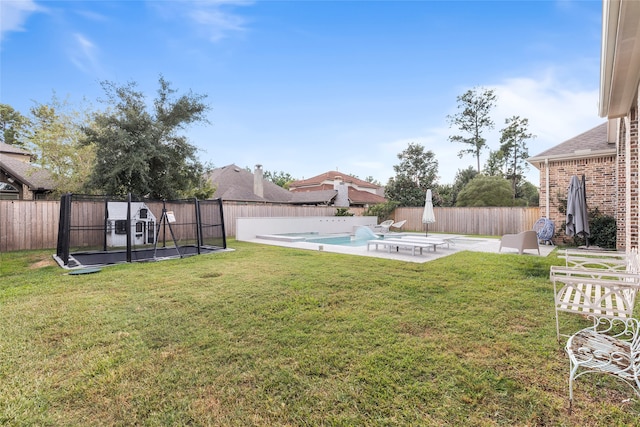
<point x="266" y="336"/>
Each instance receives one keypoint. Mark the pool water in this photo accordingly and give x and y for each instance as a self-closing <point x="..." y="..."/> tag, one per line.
<point x="341" y="241"/>
<point x="362" y="236"/>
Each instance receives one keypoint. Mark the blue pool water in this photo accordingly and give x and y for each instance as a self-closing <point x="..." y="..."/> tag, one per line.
<point x="362" y="236"/>
<point x="342" y="241"/>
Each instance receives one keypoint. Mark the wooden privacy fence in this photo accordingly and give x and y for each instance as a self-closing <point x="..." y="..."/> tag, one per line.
<point x="479" y="221"/>
<point x="26" y="224"/>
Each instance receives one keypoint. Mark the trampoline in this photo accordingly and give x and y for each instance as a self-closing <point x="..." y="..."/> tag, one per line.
<point x="101" y="230"/>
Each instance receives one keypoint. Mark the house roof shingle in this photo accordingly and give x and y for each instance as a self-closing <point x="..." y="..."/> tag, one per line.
<point x="12" y="149"/>
<point x="330" y="176"/>
<point x="234" y="183"/>
<point x="588" y="144"/>
<point x="324" y="182"/>
<point x="33" y="176"/>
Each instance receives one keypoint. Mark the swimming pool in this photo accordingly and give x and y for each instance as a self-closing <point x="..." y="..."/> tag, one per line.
<point x="339" y="240"/>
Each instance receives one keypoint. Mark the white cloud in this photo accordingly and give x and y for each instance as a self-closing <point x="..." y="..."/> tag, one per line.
<point x="557" y="109"/>
<point x="212" y="17"/>
<point x="83" y="54"/>
<point x="14" y="13"/>
<point x="556" y="112"/>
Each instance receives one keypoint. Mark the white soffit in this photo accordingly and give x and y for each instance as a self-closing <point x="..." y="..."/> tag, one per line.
<point x="620" y="69"/>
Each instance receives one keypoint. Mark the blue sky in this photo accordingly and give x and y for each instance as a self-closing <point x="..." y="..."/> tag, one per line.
<point x="305" y="87"/>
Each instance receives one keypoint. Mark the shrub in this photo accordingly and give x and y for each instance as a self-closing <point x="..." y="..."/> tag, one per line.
<point x="382" y="210"/>
<point x="343" y="212"/>
<point x="603" y="230"/>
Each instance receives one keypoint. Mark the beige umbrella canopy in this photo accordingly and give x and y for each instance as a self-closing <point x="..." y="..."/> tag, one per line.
<point x="427" y="216"/>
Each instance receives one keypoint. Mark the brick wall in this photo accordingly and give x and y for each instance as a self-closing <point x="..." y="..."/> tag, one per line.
<point x="601" y="188"/>
<point x="628" y="192"/>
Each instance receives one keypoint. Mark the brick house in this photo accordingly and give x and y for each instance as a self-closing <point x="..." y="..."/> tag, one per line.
<point x="609" y="155"/>
<point x="592" y="154"/>
<point x="619" y="84"/>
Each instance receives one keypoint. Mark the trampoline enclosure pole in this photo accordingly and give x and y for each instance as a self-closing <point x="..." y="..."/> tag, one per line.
<point x="106" y="223"/>
<point x="129" y="227"/>
<point x="196" y="205"/>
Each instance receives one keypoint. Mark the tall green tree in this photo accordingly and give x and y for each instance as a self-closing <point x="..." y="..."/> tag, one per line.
<point x="55" y="137"/>
<point x="14" y="127"/>
<point x="472" y="119"/>
<point x="528" y="194"/>
<point x="486" y="191"/>
<point x="462" y="178"/>
<point x="372" y="180"/>
<point x="417" y="172"/>
<point x="445" y="196"/>
<point x="495" y="164"/>
<point x="141" y="150"/>
<point x="281" y="179"/>
<point x="513" y="145"/>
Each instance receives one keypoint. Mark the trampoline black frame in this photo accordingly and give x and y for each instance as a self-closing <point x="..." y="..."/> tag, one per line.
<point x="212" y="233"/>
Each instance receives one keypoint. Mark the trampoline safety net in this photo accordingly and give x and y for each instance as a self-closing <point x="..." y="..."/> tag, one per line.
<point x="102" y="230"/>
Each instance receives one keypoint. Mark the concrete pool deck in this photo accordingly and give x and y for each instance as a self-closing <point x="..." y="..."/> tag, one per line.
<point x="460" y="243"/>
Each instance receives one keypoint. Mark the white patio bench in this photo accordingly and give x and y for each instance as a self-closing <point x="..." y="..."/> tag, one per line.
<point x="610" y="346"/>
<point x="430" y="240"/>
<point x="401" y="243"/>
<point x="609" y="260"/>
<point x="593" y="292"/>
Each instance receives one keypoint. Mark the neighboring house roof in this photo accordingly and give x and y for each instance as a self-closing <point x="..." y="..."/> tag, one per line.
<point x="234" y="183"/>
<point x="358" y="197"/>
<point x="314" y="197"/>
<point x="12" y="149"/>
<point x="330" y="176"/>
<point x="592" y="143"/>
<point x="325" y="182"/>
<point x="34" y="177"/>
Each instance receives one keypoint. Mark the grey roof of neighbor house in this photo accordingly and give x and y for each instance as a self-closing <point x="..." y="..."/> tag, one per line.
<point x="34" y="177"/>
<point x="234" y="183"/>
<point x="12" y="149"/>
<point x="591" y="143"/>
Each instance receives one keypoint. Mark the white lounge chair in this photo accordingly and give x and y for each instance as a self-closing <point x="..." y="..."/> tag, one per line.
<point x="383" y="227"/>
<point x="398" y="224"/>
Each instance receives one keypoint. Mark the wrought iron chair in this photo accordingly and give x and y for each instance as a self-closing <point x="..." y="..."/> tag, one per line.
<point x="596" y="284"/>
<point x="593" y="292"/>
<point x="610" y="346"/>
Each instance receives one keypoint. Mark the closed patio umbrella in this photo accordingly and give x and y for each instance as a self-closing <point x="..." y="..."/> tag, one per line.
<point x="577" y="214"/>
<point x="427" y="216"/>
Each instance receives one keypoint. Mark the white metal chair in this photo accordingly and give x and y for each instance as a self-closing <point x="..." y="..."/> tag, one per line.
<point x="609" y="290"/>
<point x="610" y="346"/>
<point x="593" y="292"/>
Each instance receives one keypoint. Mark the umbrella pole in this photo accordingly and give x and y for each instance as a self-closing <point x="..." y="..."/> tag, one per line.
<point x="427" y="232"/>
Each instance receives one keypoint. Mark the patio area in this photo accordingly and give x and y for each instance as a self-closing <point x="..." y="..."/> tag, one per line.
<point x="460" y="243"/>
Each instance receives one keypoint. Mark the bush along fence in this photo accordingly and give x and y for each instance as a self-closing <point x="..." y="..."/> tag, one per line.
<point x="33" y="224"/>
